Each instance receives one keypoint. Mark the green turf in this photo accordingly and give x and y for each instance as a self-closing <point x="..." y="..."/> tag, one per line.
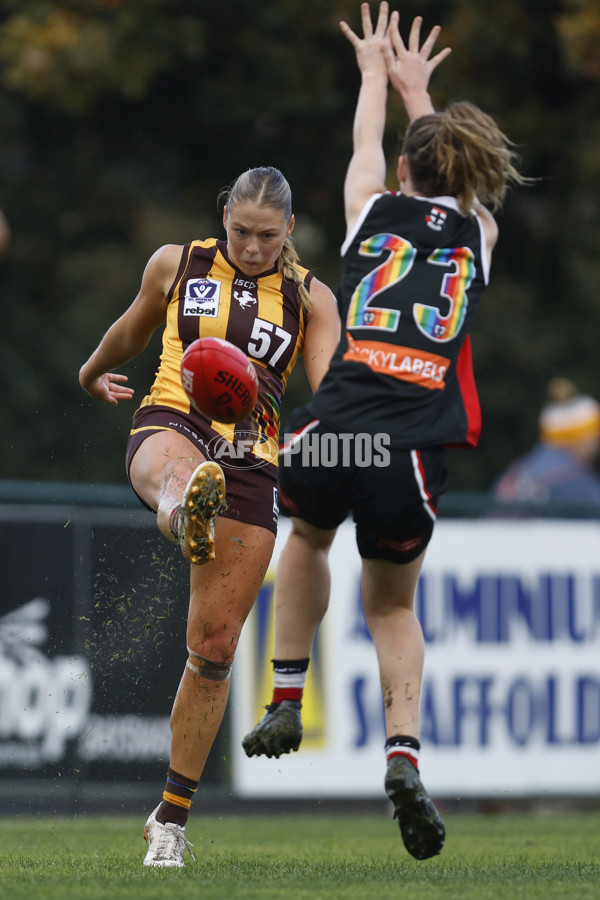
<point x="303" y="857"/>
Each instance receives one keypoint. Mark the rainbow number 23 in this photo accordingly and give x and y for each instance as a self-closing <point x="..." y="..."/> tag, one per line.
<point x="401" y="256"/>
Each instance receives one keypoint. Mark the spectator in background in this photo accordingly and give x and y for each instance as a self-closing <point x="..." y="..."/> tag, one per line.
<point x="4" y="233"/>
<point x="559" y="468"/>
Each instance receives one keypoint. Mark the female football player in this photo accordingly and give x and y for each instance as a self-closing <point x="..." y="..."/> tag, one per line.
<point x="415" y="264"/>
<point x="250" y="290"/>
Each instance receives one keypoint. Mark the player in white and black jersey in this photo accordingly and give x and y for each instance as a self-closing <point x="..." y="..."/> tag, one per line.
<point x="414" y="267"/>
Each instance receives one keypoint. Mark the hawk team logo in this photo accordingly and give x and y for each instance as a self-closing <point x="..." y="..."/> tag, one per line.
<point x="245" y="299"/>
<point x="202" y="297"/>
<point x="436" y="218"/>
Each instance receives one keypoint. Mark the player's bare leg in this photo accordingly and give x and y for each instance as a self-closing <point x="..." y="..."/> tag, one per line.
<point x="186" y="491"/>
<point x="388" y="592"/>
<point x="302" y="588"/>
<point x="222" y="595"/>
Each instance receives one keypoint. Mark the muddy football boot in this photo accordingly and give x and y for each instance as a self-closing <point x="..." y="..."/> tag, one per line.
<point x="279" y="731"/>
<point x="420" y="823"/>
<point x="203" y="499"/>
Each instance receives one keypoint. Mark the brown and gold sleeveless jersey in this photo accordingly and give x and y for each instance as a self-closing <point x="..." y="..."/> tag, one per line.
<point x="262" y="315"/>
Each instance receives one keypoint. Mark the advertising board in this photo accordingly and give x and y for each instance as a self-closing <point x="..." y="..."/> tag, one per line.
<point x="510" y="611"/>
<point x="93" y="606"/>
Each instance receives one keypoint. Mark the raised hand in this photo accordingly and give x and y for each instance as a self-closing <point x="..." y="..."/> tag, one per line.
<point x="409" y="68"/>
<point x="370" y="48"/>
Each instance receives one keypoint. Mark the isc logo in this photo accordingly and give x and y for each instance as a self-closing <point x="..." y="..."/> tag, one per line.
<point x="202" y="297"/>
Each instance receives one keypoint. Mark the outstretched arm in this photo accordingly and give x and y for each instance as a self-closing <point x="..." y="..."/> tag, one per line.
<point x="366" y="171"/>
<point x="130" y="334"/>
<point x="410" y="68"/>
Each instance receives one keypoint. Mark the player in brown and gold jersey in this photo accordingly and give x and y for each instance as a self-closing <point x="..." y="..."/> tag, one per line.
<point x="250" y="290"/>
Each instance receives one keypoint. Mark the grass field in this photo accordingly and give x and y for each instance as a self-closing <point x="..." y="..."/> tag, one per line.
<point x="303" y="857"/>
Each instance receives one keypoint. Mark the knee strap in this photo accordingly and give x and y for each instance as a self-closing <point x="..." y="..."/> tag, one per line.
<point x="208" y="669"/>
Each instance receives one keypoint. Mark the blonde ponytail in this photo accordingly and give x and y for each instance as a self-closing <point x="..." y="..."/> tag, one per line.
<point x="287" y="268"/>
<point x="461" y="152"/>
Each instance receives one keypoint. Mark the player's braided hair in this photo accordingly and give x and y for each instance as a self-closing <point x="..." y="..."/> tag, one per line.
<point x="267" y="186"/>
<point x="462" y="153"/>
<point x="286" y="266"/>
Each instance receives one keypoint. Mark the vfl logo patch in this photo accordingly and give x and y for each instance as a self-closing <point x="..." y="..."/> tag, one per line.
<point x="202" y="297"/>
<point x="436" y="218"/>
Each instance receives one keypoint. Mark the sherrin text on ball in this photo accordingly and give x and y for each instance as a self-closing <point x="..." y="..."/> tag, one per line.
<point x="219" y="380"/>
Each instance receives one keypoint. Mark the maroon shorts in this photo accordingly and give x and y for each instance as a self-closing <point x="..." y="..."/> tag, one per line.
<point x="251" y="482"/>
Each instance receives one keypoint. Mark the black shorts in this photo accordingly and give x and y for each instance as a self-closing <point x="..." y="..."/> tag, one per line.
<point x="392" y="493"/>
<point x="251" y="483"/>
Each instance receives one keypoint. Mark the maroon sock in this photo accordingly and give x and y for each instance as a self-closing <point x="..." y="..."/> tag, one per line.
<point x="177" y="799"/>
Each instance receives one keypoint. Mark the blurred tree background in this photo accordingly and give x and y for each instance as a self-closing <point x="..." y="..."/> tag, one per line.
<point x="121" y="120"/>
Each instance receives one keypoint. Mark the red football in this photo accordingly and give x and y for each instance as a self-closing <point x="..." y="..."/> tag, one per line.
<point x="219" y="380"/>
